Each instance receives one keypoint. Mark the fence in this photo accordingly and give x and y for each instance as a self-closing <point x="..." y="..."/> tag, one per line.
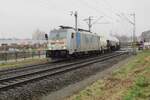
<point x="6" y="56"/>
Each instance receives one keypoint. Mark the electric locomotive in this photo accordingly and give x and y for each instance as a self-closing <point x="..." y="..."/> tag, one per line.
<point x="66" y="42"/>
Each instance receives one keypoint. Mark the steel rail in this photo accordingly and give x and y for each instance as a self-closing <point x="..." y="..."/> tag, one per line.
<point x="35" y="66"/>
<point x="9" y="82"/>
<point x="45" y="68"/>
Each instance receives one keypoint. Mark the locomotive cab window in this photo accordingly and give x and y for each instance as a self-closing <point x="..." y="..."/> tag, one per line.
<point x="72" y="35"/>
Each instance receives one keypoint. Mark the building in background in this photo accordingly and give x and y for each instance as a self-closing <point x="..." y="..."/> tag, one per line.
<point x="38" y="35"/>
<point x="38" y="41"/>
<point x="145" y="36"/>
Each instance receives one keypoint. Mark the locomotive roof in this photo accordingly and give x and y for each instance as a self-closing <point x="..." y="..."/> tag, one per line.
<point x="65" y="28"/>
<point x="68" y="27"/>
<point x="83" y="30"/>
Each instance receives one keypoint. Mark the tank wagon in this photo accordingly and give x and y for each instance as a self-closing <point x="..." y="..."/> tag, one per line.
<point x="113" y="43"/>
<point x="65" y="42"/>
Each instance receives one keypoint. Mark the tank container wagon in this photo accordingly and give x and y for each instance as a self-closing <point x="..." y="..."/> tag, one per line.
<point x="113" y="43"/>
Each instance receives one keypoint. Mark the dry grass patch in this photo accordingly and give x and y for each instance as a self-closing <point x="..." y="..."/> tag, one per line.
<point x="131" y="82"/>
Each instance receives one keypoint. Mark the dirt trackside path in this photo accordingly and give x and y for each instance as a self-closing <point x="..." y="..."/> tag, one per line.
<point x="130" y="82"/>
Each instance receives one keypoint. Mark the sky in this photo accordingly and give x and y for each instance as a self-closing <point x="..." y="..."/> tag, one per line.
<point x="21" y="18"/>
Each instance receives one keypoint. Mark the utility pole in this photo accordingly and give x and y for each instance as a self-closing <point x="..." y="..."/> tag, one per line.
<point x="89" y="19"/>
<point x="76" y="19"/>
<point x="134" y="31"/>
<point x="134" y="35"/>
<point x="90" y="24"/>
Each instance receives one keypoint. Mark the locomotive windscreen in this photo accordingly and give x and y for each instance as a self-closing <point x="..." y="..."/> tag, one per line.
<point x="57" y="35"/>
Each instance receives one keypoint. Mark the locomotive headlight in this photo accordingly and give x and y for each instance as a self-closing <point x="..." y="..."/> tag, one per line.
<point x="64" y="47"/>
<point x="49" y="47"/>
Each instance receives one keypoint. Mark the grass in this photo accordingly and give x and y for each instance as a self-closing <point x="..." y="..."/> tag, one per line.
<point x="21" y="63"/>
<point x="140" y="90"/>
<point x="130" y="82"/>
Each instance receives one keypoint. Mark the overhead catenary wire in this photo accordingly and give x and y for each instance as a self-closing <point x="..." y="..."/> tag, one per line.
<point x="106" y="7"/>
<point x="122" y="16"/>
<point x="97" y="9"/>
<point x="112" y="10"/>
<point x="102" y="13"/>
<point x="84" y="3"/>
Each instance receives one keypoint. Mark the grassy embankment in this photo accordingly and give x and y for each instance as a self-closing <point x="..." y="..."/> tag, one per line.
<point x="21" y="63"/>
<point x="130" y="82"/>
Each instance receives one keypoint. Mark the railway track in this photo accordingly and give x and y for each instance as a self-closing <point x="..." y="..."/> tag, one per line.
<point x="26" y="67"/>
<point x="48" y="64"/>
<point x="29" y="76"/>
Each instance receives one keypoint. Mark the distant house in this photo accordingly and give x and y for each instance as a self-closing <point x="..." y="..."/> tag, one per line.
<point x="38" y="35"/>
<point x="145" y="36"/>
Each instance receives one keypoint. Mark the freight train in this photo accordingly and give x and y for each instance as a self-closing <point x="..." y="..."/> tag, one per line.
<point x="66" y="42"/>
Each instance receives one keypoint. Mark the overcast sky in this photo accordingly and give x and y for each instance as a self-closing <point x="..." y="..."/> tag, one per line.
<point x="20" y="18"/>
